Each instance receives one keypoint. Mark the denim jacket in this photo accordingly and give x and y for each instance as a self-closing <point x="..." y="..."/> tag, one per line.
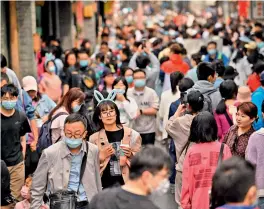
<point x="25" y="105"/>
<point x="44" y="105"/>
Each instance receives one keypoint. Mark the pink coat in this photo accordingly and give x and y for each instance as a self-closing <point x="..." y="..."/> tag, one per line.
<point x="198" y="169"/>
<point x="222" y="125"/>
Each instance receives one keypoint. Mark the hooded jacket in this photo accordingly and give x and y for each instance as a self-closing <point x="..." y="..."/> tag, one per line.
<point x="255" y="154"/>
<point x="207" y="88"/>
<point x="257" y="99"/>
<point x="175" y="64"/>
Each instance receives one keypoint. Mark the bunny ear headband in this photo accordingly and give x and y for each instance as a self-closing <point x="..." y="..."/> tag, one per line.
<point x="49" y="56"/>
<point x="111" y="96"/>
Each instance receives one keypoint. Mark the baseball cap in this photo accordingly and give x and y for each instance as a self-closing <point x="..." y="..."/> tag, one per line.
<point x="107" y="71"/>
<point x="29" y="83"/>
<point x="251" y="45"/>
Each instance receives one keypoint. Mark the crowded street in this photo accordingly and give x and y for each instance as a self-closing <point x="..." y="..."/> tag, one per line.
<point x="132" y="104"/>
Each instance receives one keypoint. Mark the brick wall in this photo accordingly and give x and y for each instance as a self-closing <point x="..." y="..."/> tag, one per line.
<point x="25" y="23"/>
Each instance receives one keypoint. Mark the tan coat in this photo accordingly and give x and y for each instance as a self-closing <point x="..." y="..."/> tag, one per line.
<point x="131" y="137"/>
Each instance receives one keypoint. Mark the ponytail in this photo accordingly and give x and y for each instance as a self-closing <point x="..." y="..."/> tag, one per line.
<point x="221" y="107"/>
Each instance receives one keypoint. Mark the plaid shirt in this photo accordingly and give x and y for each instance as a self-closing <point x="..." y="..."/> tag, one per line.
<point x="237" y="144"/>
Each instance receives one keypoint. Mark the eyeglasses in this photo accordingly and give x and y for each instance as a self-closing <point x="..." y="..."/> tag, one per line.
<point x="74" y="135"/>
<point x="110" y="113"/>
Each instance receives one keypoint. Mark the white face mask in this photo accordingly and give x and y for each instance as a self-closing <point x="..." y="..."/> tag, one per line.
<point x="162" y="188"/>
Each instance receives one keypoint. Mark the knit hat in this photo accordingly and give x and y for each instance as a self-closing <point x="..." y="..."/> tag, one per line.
<point x="244" y="94"/>
<point x="29" y="83"/>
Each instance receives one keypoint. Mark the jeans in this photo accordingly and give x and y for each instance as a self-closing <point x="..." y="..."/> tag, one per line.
<point x="261" y="203"/>
<point x="148" y="138"/>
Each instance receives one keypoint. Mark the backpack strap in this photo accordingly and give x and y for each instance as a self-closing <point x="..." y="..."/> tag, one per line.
<point x="228" y="118"/>
<point x="220" y="157"/>
<point x="52" y="119"/>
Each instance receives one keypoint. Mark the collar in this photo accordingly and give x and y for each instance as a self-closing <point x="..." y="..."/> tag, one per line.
<point x="138" y="93"/>
<point x="66" y="152"/>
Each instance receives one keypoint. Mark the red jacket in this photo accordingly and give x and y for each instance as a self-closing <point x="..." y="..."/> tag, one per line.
<point x="253" y="82"/>
<point x="175" y="64"/>
<point x="198" y="169"/>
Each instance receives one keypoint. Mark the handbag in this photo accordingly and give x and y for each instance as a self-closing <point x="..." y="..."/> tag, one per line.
<point x="68" y="199"/>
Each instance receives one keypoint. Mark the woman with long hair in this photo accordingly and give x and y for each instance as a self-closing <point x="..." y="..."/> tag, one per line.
<point x="117" y="143"/>
<point x="167" y="97"/>
<point x="225" y="109"/>
<point x="70" y="103"/>
<point x="201" y="161"/>
<point x="238" y="135"/>
<point x="127" y="106"/>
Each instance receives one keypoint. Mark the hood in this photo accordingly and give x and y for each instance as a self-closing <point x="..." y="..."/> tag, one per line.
<point x="259" y="90"/>
<point x="204" y="87"/>
<point x="176" y="59"/>
<point x="260" y="131"/>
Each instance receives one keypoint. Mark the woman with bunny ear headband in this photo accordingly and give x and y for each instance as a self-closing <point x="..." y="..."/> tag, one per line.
<point x="117" y="143"/>
<point x="127" y="105"/>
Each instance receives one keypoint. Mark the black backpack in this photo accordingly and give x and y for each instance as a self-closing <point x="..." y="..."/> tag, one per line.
<point x="45" y="138"/>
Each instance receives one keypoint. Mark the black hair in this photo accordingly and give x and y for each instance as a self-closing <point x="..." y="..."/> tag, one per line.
<point x="123" y="71"/>
<point x="66" y="58"/>
<point x="149" y="158"/>
<point x="204" y="70"/>
<point x="84" y="42"/>
<point x="259" y="67"/>
<point x="142" y="61"/>
<point x="212" y="42"/>
<point x="175" y="77"/>
<point x="259" y="35"/>
<point x="3" y="61"/>
<point x="184" y="51"/>
<point x="104" y="106"/>
<point x="75" y="117"/>
<point x="83" y="51"/>
<point x="9" y="88"/>
<point x="203" y="128"/>
<point x="219" y="67"/>
<point x="164" y="59"/>
<point x="231" y="181"/>
<point x="197" y="58"/>
<point x="258" y="24"/>
<point x="100" y="56"/>
<point x="56" y="51"/>
<point x="137" y="43"/>
<point x="262" y="106"/>
<point x="228" y="90"/>
<point x="4" y="77"/>
<point x="126" y="51"/>
<point x="185" y="84"/>
<point x="203" y="50"/>
<point x="139" y="70"/>
<point x="104" y="35"/>
<point x="104" y="43"/>
<point x="123" y="80"/>
<point x="196" y="100"/>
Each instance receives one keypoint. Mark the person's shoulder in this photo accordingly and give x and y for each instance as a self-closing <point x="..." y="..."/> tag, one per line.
<point x="22" y="115"/>
<point x="150" y="90"/>
<point x="92" y="147"/>
<point x="107" y="195"/>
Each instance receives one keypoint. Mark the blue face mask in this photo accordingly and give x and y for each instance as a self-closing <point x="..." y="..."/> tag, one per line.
<point x="84" y="63"/>
<point x="101" y="64"/>
<point x="212" y="51"/>
<point x="140" y="83"/>
<point x="120" y="91"/>
<point x="118" y="57"/>
<point x="76" y="108"/>
<point x="52" y="69"/>
<point x="129" y="79"/>
<point x="119" y="64"/>
<point x="73" y="143"/>
<point x="119" y="46"/>
<point x="260" y="45"/>
<point x="9" y="105"/>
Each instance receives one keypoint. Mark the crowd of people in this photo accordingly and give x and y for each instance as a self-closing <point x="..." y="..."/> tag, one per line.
<point x="105" y="128"/>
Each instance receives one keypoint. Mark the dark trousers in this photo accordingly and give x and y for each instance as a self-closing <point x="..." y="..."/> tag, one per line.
<point x="148" y="138"/>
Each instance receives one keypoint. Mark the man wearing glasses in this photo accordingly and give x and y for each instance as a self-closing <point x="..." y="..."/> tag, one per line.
<point x="59" y="167"/>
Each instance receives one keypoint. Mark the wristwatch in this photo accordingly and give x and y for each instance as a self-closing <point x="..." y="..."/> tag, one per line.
<point x="141" y="112"/>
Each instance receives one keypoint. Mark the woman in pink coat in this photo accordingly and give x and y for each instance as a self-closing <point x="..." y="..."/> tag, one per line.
<point x="224" y="110"/>
<point x="201" y="161"/>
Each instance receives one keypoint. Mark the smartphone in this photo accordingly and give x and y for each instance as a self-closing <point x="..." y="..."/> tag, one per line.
<point x="144" y="43"/>
<point x="183" y="98"/>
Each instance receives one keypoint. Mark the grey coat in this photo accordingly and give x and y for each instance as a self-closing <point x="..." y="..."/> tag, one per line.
<point x="53" y="171"/>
